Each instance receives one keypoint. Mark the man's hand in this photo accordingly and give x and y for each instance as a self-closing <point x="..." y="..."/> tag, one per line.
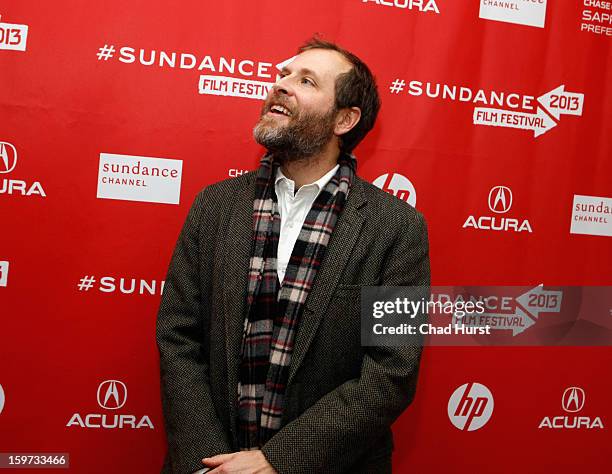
<point x="245" y="462"/>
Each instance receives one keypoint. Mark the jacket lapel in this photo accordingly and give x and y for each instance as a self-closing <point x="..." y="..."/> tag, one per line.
<point x="236" y="263"/>
<point x="340" y="247"/>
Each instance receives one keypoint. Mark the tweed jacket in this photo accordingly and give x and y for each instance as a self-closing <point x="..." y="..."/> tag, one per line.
<point x="341" y="397"/>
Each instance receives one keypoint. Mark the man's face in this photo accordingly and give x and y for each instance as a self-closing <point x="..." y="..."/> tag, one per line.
<point x="298" y="117"/>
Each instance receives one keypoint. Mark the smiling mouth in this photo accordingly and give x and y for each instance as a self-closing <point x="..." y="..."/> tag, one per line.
<point x="279" y="110"/>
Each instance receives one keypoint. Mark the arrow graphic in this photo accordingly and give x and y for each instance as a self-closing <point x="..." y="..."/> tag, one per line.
<point x="539" y="122"/>
<point x="525" y="313"/>
<point x="281" y="65"/>
<point x="517" y="321"/>
<point x="538" y="300"/>
<point x="558" y="102"/>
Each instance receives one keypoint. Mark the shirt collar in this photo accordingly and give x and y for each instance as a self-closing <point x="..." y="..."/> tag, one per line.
<point x="319" y="183"/>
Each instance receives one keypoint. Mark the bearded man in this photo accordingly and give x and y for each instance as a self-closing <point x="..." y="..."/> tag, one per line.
<point x="262" y="367"/>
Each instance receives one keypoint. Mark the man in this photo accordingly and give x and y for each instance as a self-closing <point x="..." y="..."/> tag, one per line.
<point x="259" y="327"/>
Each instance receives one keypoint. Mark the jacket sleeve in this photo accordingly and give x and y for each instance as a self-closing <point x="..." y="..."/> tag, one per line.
<point x="193" y="429"/>
<point x="333" y="433"/>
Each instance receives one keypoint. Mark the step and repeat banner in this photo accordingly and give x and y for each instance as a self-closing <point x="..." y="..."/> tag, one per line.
<point x="496" y="124"/>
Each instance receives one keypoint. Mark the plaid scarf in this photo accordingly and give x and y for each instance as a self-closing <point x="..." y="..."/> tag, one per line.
<point x="274" y="311"/>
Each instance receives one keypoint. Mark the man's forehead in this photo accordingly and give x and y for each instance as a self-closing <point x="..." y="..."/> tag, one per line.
<point x="325" y="63"/>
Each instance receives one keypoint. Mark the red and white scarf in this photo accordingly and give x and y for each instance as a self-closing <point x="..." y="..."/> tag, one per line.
<point x="274" y="311"/>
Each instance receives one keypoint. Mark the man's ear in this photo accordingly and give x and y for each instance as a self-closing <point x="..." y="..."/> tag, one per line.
<point x="346" y="120"/>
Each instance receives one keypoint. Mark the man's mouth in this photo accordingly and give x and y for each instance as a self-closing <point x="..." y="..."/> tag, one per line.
<point x="279" y="110"/>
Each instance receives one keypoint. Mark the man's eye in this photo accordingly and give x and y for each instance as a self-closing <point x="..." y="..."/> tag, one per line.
<point x="305" y="80"/>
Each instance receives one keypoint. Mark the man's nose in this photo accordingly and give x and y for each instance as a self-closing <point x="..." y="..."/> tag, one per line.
<point x="283" y="86"/>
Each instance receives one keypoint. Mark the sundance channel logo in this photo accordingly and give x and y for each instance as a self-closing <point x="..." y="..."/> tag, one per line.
<point x="139" y="178"/>
<point x="111" y="395"/>
<point x="520" y="12"/>
<point x="4" y="269"/>
<point x="592" y="215"/>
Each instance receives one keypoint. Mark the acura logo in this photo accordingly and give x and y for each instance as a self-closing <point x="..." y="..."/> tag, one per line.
<point x="112" y="394"/>
<point x="8" y="157"/>
<point x="500" y="199"/>
<point x="573" y="399"/>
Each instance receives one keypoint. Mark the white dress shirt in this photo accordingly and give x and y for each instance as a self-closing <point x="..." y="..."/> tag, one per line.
<point x="293" y="208"/>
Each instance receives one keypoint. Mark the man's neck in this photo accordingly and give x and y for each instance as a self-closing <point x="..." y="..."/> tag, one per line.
<point x="308" y="170"/>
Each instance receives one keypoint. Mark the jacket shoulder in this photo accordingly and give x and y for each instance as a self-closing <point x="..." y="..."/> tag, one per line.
<point x="229" y="186"/>
<point x="386" y="205"/>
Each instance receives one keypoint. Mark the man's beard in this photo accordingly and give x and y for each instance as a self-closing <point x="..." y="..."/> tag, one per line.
<point x="305" y="135"/>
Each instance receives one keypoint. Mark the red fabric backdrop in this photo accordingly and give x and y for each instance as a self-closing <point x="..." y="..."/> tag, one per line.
<point x="63" y="105"/>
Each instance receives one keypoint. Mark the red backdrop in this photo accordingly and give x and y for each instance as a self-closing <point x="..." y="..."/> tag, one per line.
<point x="439" y="65"/>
